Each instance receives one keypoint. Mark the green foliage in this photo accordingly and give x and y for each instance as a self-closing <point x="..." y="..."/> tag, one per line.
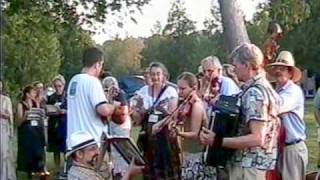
<point x="76" y="11"/>
<point x="183" y="54"/>
<point x="123" y="56"/>
<point x="304" y="39"/>
<point x="257" y="29"/>
<point x="289" y="13"/>
<point x="178" y="24"/>
<point x="42" y="38"/>
<point x="31" y="50"/>
<point x="73" y="41"/>
<point x="180" y="47"/>
<point x="300" y="22"/>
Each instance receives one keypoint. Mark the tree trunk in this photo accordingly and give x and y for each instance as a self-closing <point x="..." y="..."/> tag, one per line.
<point x="234" y="29"/>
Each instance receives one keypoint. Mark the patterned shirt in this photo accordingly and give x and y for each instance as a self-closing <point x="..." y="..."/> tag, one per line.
<point x="78" y="172"/>
<point x="259" y="103"/>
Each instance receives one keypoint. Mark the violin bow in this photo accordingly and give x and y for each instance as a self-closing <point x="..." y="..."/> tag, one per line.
<point x="174" y="113"/>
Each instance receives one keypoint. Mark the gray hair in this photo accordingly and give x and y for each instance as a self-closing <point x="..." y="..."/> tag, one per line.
<point x="214" y="60"/>
<point x="248" y="53"/>
<point x="110" y="81"/>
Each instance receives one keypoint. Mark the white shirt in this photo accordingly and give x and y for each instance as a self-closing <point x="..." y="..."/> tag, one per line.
<point x="148" y="100"/>
<point x="85" y="93"/>
<point x="228" y="86"/>
<point x="292" y="111"/>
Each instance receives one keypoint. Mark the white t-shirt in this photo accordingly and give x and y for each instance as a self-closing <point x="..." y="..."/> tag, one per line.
<point x="85" y="93"/>
<point x="148" y="101"/>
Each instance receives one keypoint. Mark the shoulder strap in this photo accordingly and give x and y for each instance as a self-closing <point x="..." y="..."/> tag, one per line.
<point x="159" y="95"/>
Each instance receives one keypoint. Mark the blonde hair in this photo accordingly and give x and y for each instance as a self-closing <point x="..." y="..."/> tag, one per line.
<point x="59" y="77"/>
<point x="190" y="78"/>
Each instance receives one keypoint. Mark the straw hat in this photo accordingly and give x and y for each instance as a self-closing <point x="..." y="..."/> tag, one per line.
<point x="285" y="58"/>
<point x="79" y="140"/>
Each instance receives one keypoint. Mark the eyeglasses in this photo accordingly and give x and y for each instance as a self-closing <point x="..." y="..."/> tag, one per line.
<point x="280" y="68"/>
<point x="58" y="86"/>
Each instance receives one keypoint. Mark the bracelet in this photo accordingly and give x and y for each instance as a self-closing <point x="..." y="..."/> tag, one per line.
<point x="217" y="142"/>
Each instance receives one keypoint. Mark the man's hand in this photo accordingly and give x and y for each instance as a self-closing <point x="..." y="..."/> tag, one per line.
<point x="5" y="115"/>
<point x="207" y="136"/>
<point x="133" y="171"/>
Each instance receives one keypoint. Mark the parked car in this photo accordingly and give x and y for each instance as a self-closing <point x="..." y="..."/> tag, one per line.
<point x="130" y="84"/>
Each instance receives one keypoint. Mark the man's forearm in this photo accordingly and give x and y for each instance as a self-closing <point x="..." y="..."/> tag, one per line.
<point x="242" y="142"/>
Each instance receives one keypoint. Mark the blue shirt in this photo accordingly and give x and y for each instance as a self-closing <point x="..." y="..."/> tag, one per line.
<point x="292" y="111"/>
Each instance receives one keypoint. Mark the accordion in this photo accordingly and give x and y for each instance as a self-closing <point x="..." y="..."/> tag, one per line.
<point x="224" y="121"/>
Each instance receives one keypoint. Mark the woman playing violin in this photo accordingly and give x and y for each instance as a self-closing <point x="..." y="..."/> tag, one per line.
<point x="193" y="115"/>
<point x="160" y="150"/>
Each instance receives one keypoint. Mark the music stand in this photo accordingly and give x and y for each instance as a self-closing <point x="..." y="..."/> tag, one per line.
<point x="124" y="145"/>
<point x="128" y="150"/>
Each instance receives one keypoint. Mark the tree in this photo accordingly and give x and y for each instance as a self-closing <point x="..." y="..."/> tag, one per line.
<point x="31" y="50"/>
<point x="303" y="38"/>
<point x="299" y="20"/>
<point x="123" y="56"/>
<point x="214" y="23"/>
<point x="178" y="23"/>
<point x="78" y="12"/>
<point x="73" y="41"/>
<point x="234" y="29"/>
<point x="157" y="28"/>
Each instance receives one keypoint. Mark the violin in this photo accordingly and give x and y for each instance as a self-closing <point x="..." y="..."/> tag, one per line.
<point x="171" y="119"/>
<point x="212" y="90"/>
<point x="121" y="112"/>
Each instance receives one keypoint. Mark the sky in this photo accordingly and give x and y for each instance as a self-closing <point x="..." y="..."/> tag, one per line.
<point x="157" y="10"/>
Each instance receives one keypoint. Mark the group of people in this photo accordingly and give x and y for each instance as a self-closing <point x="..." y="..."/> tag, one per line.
<point x="174" y="119"/>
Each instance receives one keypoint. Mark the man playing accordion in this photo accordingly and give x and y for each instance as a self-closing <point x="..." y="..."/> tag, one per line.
<point x="256" y="143"/>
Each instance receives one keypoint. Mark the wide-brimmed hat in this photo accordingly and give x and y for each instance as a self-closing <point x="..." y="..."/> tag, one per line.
<point x="285" y="58"/>
<point x="79" y="140"/>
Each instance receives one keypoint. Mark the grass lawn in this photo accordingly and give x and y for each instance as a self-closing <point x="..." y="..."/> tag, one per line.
<point x="311" y="142"/>
<point x="313" y="146"/>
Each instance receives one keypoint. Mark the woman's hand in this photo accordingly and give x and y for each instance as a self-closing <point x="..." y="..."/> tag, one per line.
<point x="156" y="128"/>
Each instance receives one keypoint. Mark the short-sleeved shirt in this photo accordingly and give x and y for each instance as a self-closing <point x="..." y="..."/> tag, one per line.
<point x="148" y="100"/>
<point x="259" y="104"/>
<point x="292" y="111"/>
<point x="85" y="94"/>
